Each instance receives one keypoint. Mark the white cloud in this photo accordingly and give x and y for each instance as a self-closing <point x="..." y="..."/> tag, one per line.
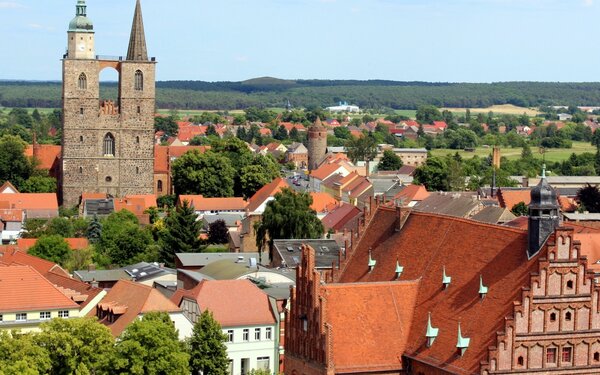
<point x="10" y="5"/>
<point x="35" y="26"/>
<point x="588" y="3"/>
<point x="241" y="58"/>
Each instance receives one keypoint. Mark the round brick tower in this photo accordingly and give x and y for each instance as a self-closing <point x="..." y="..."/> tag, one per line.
<point x="317" y="144"/>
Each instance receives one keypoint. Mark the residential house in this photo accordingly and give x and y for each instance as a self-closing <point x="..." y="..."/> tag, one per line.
<point x="24" y="244"/>
<point x="415" y="157"/>
<point x="345" y="217"/>
<point x="325" y="171"/>
<point x="197" y="261"/>
<point x="297" y="154"/>
<point x="27" y="299"/>
<point x="104" y="279"/>
<point x="410" y="195"/>
<point x="46" y="156"/>
<point x="448" y="203"/>
<point x="258" y="202"/>
<point x="323" y="203"/>
<point x="128" y="301"/>
<point x="213" y="206"/>
<point x="148" y="273"/>
<point x="248" y="317"/>
<point x="10" y="255"/>
<point x="34" y="205"/>
<point x="11" y="224"/>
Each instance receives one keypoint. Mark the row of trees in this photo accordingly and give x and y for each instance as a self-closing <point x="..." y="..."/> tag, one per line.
<point x="83" y="346"/>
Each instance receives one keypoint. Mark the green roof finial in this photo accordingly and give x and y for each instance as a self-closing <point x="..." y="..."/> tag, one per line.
<point x="482" y="288"/>
<point x="372" y="262"/>
<point x="446" y="280"/>
<point x="399" y="269"/>
<point x="544" y="171"/>
<point x="463" y="342"/>
<point x="431" y="333"/>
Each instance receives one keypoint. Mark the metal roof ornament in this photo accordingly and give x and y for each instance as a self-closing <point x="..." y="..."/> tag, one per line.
<point x="482" y="288"/>
<point x="431" y="333"/>
<point x="462" y="343"/>
<point x="372" y="262"/>
<point x="399" y="269"/>
<point x="446" y="280"/>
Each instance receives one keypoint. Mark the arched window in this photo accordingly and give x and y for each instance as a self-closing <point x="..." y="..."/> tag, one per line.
<point x="159" y="186"/>
<point x="139" y="80"/>
<point x="570" y="284"/>
<point x="568" y="316"/>
<point x="82" y="82"/>
<point x="137" y="139"/>
<point x="520" y="361"/>
<point x="109" y="145"/>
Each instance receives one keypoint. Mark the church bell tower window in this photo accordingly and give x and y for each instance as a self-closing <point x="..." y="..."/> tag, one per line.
<point x="82" y="82"/>
<point x="109" y="145"/>
<point x="139" y="80"/>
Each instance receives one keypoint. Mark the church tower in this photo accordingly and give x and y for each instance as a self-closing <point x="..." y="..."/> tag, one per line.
<point x="317" y="144"/>
<point x="108" y="147"/>
<point x="543" y="215"/>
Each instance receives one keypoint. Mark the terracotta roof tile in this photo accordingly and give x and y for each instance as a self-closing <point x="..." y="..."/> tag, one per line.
<point x="209" y="204"/>
<point x="79" y="291"/>
<point x="267" y="191"/>
<point x="31" y="201"/>
<point x="22" y="288"/>
<point x="323" y="202"/>
<point x="232" y="302"/>
<point x="412" y="193"/>
<point x="132" y="299"/>
<point x="10" y="254"/>
<point x="11" y="215"/>
<point x="163" y="153"/>
<point x="324" y="171"/>
<point x="24" y="244"/>
<point x="340" y="216"/>
<point x="508" y="198"/>
<point x="47" y="155"/>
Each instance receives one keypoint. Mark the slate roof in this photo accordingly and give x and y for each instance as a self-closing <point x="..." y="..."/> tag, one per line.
<point x="448" y="204"/>
<point x="494" y="215"/>
<point x="232" y="302"/>
<point x="101" y="275"/>
<point x="202" y="259"/>
<point x="326" y="251"/>
<point x="144" y="271"/>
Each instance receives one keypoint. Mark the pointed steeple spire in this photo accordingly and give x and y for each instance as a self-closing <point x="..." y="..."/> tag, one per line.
<point x="137" y="41"/>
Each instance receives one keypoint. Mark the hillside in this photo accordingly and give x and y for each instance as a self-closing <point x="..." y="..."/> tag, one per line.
<point x="378" y="94"/>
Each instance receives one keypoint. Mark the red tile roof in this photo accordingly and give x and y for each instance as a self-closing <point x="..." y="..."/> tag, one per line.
<point x="31" y="201"/>
<point x="467" y="249"/>
<point x="11" y="215"/>
<point x="78" y="291"/>
<point x="323" y="202"/>
<point x="148" y="199"/>
<point x="163" y="153"/>
<point x="11" y="255"/>
<point x="129" y="300"/>
<point x="215" y="204"/>
<point x="324" y="171"/>
<point x="509" y="198"/>
<point x="340" y="216"/>
<point x="232" y="302"/>
<point x="22" y="288"/>
<point x="47" y="155"/>
<point x="412" y="193"/>
<point x="137" y="206"/>
<point x="267" y="191"/>
<point x="24" y="244"/>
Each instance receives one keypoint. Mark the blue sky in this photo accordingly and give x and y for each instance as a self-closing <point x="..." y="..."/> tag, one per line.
<point x="406" y="40"/>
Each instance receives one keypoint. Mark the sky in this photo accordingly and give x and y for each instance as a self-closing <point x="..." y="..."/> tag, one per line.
<point x="402" y="40"/>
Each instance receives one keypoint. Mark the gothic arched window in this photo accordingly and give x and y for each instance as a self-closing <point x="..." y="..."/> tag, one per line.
<point x="159" y="186"/>
<point x="139" y="80"/>
<point x="82" y="82"/>
<point x="109" y="145"/>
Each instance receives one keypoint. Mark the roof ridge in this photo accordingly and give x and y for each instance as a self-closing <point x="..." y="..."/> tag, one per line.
<point x="463" y="220"/>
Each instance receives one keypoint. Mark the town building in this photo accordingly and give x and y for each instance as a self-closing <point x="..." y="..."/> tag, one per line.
<point x="317" y="144"/>
<point x="107" y="147"/>
<point x="297" y="154"/>
<point x="214" y="206"/>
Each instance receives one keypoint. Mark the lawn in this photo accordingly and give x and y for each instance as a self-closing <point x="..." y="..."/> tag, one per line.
<point x="552" y="154"/>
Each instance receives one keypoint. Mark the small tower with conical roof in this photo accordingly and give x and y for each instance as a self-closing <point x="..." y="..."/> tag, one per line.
<point x="543" y="215"/>
<point x="317" y="144"/>
<point x="80" y="34"/>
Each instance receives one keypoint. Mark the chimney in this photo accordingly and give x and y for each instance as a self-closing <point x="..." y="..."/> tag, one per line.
<point x="91" y="267"/>
<point x="398" y="218"/>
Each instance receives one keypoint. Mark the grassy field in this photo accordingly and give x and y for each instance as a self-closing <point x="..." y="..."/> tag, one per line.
<point x="505" y="109"/>
<point x="552" y="154"/>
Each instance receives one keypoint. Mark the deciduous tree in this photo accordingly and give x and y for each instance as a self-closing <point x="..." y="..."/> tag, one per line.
<point x="180" y="234"/>
<point x="53" y="248"/>
<point x="208" y="353"/>
<point x="390" y="161"/>
<point x="209" y="174"/>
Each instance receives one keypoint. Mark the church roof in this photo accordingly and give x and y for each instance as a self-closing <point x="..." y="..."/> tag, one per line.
<point x="468" y="251"/>
<point x="137" y="41"/>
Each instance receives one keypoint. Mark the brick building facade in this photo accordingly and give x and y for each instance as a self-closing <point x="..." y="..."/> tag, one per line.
<point x="107" y="146"/>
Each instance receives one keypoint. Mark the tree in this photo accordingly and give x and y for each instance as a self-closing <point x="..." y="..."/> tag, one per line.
<point x="61" y="226"/>
<point x="520" y="209"/>
<point x="261" y="171"/>
<point x="526" y="152"/>
<point x="168" y="125"/>
<point x="39" y="184"/>
<point x="181" y="233"/>
<point x="53" y="248"/>
<point x="434" y="174"/>
<point x="427" y="114"/>
<point x="209" y="174"/>
<point x="19" y="354"/>
<point x="589" y="198"/>
<point x="14" y="165"/>
<point x="77" y="346"/>
<point x="342" y="132"/>
<point x="94" y="230"/>
<point x="289" y="215"/>
<point x="390" y="161"/>
<point x="218" y="232"/>
<point x="208" y="353"/>
<point x="150" y="346"/>
<point x="123" y="240"/>
<point x="362" y="148"/>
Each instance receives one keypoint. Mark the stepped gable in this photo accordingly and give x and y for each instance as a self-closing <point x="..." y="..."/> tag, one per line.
<point x="426" y="244"/>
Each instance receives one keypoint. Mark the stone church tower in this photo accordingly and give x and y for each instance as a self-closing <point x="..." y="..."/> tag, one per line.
<point x="108" y="147"/>
<point x="317" y="144"/>
<point x="543" y="215"/>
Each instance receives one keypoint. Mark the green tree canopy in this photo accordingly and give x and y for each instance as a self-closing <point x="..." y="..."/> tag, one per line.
<point x="209" y="174"/>
<point x="427" y="114"/>
<point x="168" y="125"/>
<point x="433" y="174"/>
<point x="288" y="216"/>
<point x="123" y="240"/>
<point x="150" y="346"/>
<point x="53" y="248"/>
<point x="208" y="353"/>
<point x="390" y="161"/>
<point x="589" y="197"/>
<point x="20" y="354"/>
<point x="14" y="165"/>
<point x="180" y="234"/>
<point x="218" y="232"/>
<point x="361" y="148"/>
<point x="520" y="209"/>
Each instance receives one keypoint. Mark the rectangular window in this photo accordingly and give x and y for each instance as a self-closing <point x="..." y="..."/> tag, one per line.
<point x="44" y="315"/>
<point x="269" y="333"/>
<point x="256" y="333"/>
<point x="262" y="363"/>
<point x="1" y="318"/>
<point x="567" y="354"/>
<point x="246" y="334"/>
<point x="230" y="335"/>
<point x="81" y="111"/>
<point x="21" y="317"/>
<point x="551" y="355"/>
<point x="63" y="314"/>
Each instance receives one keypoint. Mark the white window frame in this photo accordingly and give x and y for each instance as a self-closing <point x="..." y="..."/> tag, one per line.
<point x="45" y="315"/>
<point x="63" y="314"/>
<point x="229" y="334"/>
<point x="262" y="366"/>
<point x="21" y="317"/>
<point x="268" y="333"/>
<point x="246" y="334"/>
<point x="257" y="334"/>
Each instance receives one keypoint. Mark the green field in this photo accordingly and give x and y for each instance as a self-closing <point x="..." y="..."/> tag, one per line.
<point x="552" y="154"/>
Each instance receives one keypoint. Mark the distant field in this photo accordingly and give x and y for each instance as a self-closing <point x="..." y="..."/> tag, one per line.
<point x="552" y="154"/>
<point x="507" y="109"/>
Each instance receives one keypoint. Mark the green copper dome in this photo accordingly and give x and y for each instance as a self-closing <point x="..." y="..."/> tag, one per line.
<point x="81" y="23"/>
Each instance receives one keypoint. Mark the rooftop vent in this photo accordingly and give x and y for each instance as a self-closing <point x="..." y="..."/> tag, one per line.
<point x="240" y="259"/>
<point x="431" y="333"/>
<point x="290" y="249"/>
<point x="372" y="262"/>
<point x="482" y="288"/>
<point x="462" y="343"/>
<point x="446" y="280"/>
<point x="399" y="269"/>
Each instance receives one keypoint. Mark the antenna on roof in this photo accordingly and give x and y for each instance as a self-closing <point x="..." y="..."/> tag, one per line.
<point x="399" y="269"/>
<point x="462" y="343"/>
<point x="431" y="333"/>
<point x="372" y="262"/>
<point x="482" y="288"/>
<point x="446" y="280"/>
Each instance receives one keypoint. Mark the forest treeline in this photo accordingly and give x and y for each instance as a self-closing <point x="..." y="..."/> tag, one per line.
<point x="375" y="94"/>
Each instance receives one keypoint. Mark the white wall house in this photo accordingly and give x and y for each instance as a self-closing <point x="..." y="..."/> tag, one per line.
<point x="251" y="347"/>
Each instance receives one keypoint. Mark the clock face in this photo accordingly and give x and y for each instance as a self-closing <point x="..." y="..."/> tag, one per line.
<point x="82" y="47"/>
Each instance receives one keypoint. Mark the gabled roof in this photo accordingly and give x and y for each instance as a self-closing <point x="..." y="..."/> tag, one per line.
<point x="494" y="215"/>
<point x="163" y="153"/>
<point x="22" y="288"/>
<point x="428" y="243"/>
<point x="24" y="244"/>
<point x="448" y="204"/>
<point x="340" y="216"/>
<point x="128" y="300"/>
<point x="323" y="202"/>
<point x="11" y="255"/>
<point x="30" y="201"/>
<point x="76" y="290"/>
<point x="214" y="204"/>
<point x="8" y="188"/>
<point x="326" y="251"/>
<point x="11" y="215"/>
<point x="509" y="197"/>
<point x="232" y="302"/>
<point x="411" y="193"/>
<point x="47" y="155"/>
<point x="266" y="192"/>
<point x="325" y="170"/>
